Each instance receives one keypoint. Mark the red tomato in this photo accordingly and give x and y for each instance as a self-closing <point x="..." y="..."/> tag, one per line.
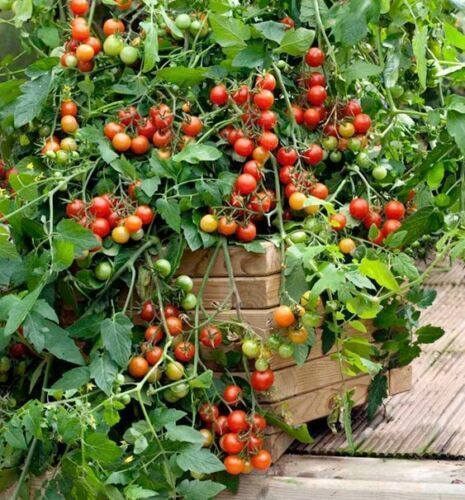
<point x="111" y="129"/>
<point x="359" y="208"/>
<point x="330" y="129"/>
<point x="253" y="168"/>
<point x="232" y="395"/>
<point x="372" y="218"/>
<point x="267" y="82"/>
<point x="227" y="227"/>
<point x="153" y="334"/>
<point x="208" y="412"/>
<point x="246" y="233"/>
<point x="95" y="43"/>
<point x="290" y="189"/>
<point x="338" y="221"/>
<point x="237" y="421"/>
<point x="394" y="210"/>
<point x="68" y="107"/>
<point x="184" y="351"/>
<point x="254" y="443"/>
<point x="264" y="99"/>
<point x="163" y="118"/>
<point x="319" y="190"/>
<point x="258" y="422"/>
<point x="312" y="118"/>
<point x="162" y="138"/>
<point x="220" y="425"/>
<point x="85" y="66"/>
<point x="315" y="79"/>
<point x="262" y="460"/>
<point x="285" y="174"/>
<point x="75" y="208"/>
<point x="245" y="184"/>
<point x="267" y="119"/>
<point x="313" y="155"/>
<point x="112" y="26"/>
<point x="269" y="141"/>
<point x="129" y="116"/>
<point x="153" y="355"/>
<point x="80" y="32"/>
<point x="362" y="123"/>
<point x="146" y="127"/>
<point x="316" y="95"/>
<point x="100" y="207"/>
<point x="390" y="226"/>
<point x="140" y="145"/>
<point x="286" y="156"/>
<point x="192" y="126"/>
<point x="114" y="219"/>
<point x="101" y="227"/>
<point x="174" y="325"/>
<point x="171" y="311"/>
<point x="244" y="146"/>
<point x="288" y="22"/>
<point x="241" y="96"/>
<point x="219" y="95"/>
<point x="315" y="57"/>
<point x="234" y="135"/>
<point x="231" y="443"/>
<point x="79" y="7"/>
<point x="352" y="108"/>
<point x="298" y="113"/>
<point x="147" y="312"/>
<point x="261" y="203"/>
<point x="145" y="214"/>
<point x="18" y="350"/>
<point x="262" y="381"/>
<point x="210" y="336"/>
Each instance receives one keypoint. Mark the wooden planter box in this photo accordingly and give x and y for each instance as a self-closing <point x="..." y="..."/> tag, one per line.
<point x="300" y="393"/>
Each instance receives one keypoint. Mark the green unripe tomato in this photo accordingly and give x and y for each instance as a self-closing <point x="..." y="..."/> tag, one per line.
<point x="155" y="375"/>
<point x="379" y="172"/>
<point x="354" y="144"/>
<point x="184" y="283"/>
<point x="174" y="371"/>
<point x="137" y="235"/>
<point x="397" y="91"/>
<point x="180" y="390"/>
<point x="273" y="343"/>
<point x="170" y="396"/>
<point x="329" y="143"/>
<point x="3" y="377"/>
<point x="113" y="45"/>
<point x="298" y="237"/>
<point x="120" y="379"/>
<point x="103" y="271"/>
<point x="261" y="364"/>
<point x="286" y="351"/>
<point x="61" y="157"/>
<point x="5" y="364"/>
<point x="363" y="160"/>
<point x="312" y="225"/>
<point x="189" y="302"/>
<point x="129" y="55"/>
<point x="311" y="320"/>
<point x="51" y="155"/>
<point x="251" y="348"/>
<point x="45" y="130"/>
<point x="12" y="402"/>
<point x="71" y="61"/>
<point x="163" y="267"/>
<point x="281" y="64"/>
<point x="442" y="200"/>
<point x="183" y="21"/>
<point x="125" y="399"/>
<point x="20" y="368"/>
<point x="195" y="27"/>
<point x="335" y="156"/>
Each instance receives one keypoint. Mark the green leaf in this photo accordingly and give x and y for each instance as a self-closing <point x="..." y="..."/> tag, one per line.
<point x="161" y="417"/>
<point x="103" y="370"/>
<point x="424" y="221"/>
<point x="60" y="344"/>
<point x="116" y="336"/>
<point x="23" y="10"/>
<point x="391" y="69"/>
<point x="363" y="308"/>
<point x="255" y="246"/>
<point x="73" y="379"/>
<point x="184" y="433"/>
<point x="351" y="22"/>
<point x="270" y="30"/>
<point x="19" y="313"/>
<point x="7" y="248"/>
<point x="429" y="334"/>
<point x="134" y="491"/>
<point x="199" y="460"/>
<point x="170" y="212"/>
<point x="34" y="94"/>
<point x="296" y="42"/>
<point x="149" y="186"/>
<point x="25" y="185"/>
<point x="63" y="254"/>
<point x="101" y="449"/>
<point x="49" y="35"/>
<point x="86" y="327"/>
<point x="435" y="176"/>
<point x="360" y="70"/>
<point x="456" y="128"/>
<point x="72" y="232"/>
<point x="191" y="233"/>
<point x="124" y="167"/>
<point x="203" y="381"/>
<point x="379" y="272"/>
<point x="195" y="153"/>
<point x="14" y="436"/>
<point x="250" y="57"/>
<point x="308" y="14"/>
<point x="228" y="31"/>
<point x="300" y="432"/>
<point x="199" y="490"/>
<point x="330" y="279"/>
<point x="106" y="152"/>
<point x="150" y="46"/>
<point x="419" y="44"/>
<point x="404" y="266"/>
<point x="358" y="325"/>
<point x="454" y="36"/>
<point x="182" y="76"/>
<point x="377" y="392"/>
<point x="33" y="330"/>
<point x="295" y="281"/>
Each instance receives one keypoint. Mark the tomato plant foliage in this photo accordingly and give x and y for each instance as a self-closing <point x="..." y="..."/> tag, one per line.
<point x="334" y="130"/>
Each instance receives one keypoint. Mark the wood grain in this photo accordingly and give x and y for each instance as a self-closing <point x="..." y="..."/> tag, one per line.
<point x="261" y="292"/>
<point x="243" y="263"/>
<point x="400" y="380"/>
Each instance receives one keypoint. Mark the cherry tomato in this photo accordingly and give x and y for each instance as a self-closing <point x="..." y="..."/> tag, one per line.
<point x="208" y="412"/>
<point x="80" y="32"/>
<point x="290" y="189"/>
<point x="352" y="108"/>
<point x="85" y="52"/>
<point x="18" y="350"/>
<point x="95" y="43"/>
<point x="245" y="184"/>
<point x="315" y="57"/>
<point x="268" y="140"/>
<point x="210" y="336"/>
<point x="316" y="95"/>
<point x="121" y="142"/>
<point x="170" y="310"/>
<point x="220" y="425"/>
<point x="247" y="232"/>
<point x="103" y="271"/>
<point x="359" y="208"/>
<point x="154" y="334"/>
<point x="140" y="145"/>
<point x="288" y="22"/>
<point x="120" y="235"/>
<point x="163" y="118"/>
<point x="362" y="123"/>
<point x="174" y="371"/>
<point x="262" y="381"/>
<point x="286" y="156"/>
<point x="208" y="223"/>
<point x="267" y="119"/>
<point x="347" y="245"/>
<point x="232" y="395"/>
<point x="129" y="116"/>
<point x="219" y="95"/>
<point x="101" y="227"/>
<point x="316" y="78"/>
<point x="312" y="118"/>
<point x="319" y="191"/>
<point x="123" y="4"/>
<point x="174" y="326"/>
<point x="390" y="226"/>
<point x="184" y="352"/>
<point x="237" y="421"/>
<point x="79" y="7"/>
<point x="231" y="442"/>
<point x="112" y="26"/>
<point x="241" y="96"/>
<point x="260" y="154"/>
<point x="268" y="82"/>
<point x="253" y="168"/>
<point x="313" y="155"/>
<point x="192" y="126"/>
<point x="284" y="317"/>
<point x="372" y="218"/>
<point x="299" y="336"/>
<point x="234" y="465"/>
<point x="338" y="221"/>
<point x="146" y="127"/>
<point x="298" y="113"/>
<point x="162" y="138"/>
<point x="251" y="348"/>
<point x="254" y="443"/>
<point x="111" y="129"/>
<point x="138" y="367"/>
<point x="261" y="202"/>
<point x="258" y="422"/>
<point x="147" y="312"/>
<point x="297" y="201"/>
<point x="244" y="146"/>
<point x="263" y="99"/>
<point x="133" y="223"/>
<point x="75" y="208"/>
<point x="69" y="124"/>
<point x="394" y="210"/>
<point x="285" y="174"/>
<point x="68" y="107"/>
<point x="262" y="460"/>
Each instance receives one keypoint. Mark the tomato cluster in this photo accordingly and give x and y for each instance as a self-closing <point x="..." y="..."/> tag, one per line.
<point x="240" y="434"/>
<point x="105" y="215"/>
<point x="136" y="134"/>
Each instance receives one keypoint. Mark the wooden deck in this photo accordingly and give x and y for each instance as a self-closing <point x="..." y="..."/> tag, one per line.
<point x="428" y="423"/>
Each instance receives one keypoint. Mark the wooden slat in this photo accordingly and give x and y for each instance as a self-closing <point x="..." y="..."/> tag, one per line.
<point x="243" y="263"/>
<point x="261" y="292"/>
<point x="400" y="380"/>
<point x="277" y="443"/>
